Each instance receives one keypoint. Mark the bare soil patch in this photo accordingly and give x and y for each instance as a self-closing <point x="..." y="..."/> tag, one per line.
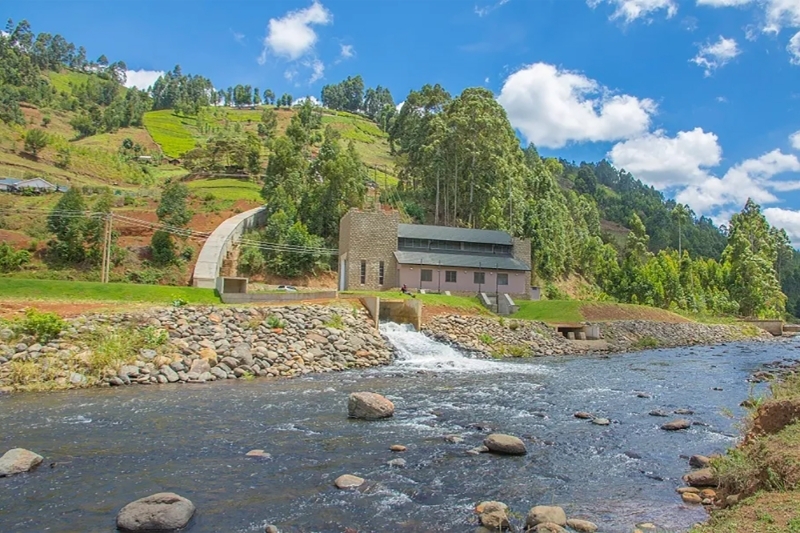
<point x="16" y="308"/>
<point x="599" y="312"/>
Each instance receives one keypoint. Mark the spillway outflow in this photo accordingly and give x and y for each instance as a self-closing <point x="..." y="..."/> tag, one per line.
<point x="416" y="351"/>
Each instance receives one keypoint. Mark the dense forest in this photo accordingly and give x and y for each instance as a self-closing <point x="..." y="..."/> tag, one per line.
<point x="458" y="162"/>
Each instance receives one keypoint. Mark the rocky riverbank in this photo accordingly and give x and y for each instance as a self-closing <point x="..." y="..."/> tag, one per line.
<point x="192" y="345"/>
<point x="494" y="337"/>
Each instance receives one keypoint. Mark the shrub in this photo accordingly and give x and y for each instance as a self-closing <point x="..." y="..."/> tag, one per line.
<point x="11" y="260"/>
<point x="275" y="322"/>
<point x="43" y="326"/>
<point x="647" y="342"/>
<point x="485" y="338"/>
<point x="35" y="140"/>
<point x="153" y="337"/>
<point x="335" y="321"/>
<point x="162" y="248"/>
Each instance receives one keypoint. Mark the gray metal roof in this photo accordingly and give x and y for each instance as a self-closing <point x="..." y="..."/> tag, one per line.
<point x="8" y="181"/>
<point x="445" y="233"/>
<point x="460" y="261"/>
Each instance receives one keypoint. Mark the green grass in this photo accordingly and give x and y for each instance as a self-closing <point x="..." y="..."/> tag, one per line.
<point x="63" y="81"/>
<point x="226" y="189"/>
<point x="549" y="310"/>
<point x="170" y="131"/>
<point x="29" y="289"/>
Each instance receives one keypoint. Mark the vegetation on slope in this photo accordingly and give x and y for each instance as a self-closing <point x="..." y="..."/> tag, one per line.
<point x="25" y="289"/>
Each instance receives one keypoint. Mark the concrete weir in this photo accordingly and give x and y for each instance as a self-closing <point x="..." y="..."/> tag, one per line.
<point x="399" y="311"/>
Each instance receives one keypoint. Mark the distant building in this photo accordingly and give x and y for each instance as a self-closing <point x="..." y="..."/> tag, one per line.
<point x="376" y="252"/>
<point x="7" y="184"/>
<point x="36" y="185"/>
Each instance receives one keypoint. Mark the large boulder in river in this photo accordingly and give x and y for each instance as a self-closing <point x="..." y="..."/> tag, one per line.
<point x="18" y="460"/>
<point x="545" y="514"/>
<point x="507" y="444"/>
<point x="493" y="515"/>
<point x="165" y="511"/>
<point x="676" y="425"/>
<point x="705" y="477"/>
<point x="369" y="406"/>
<point x="348" y="481"/>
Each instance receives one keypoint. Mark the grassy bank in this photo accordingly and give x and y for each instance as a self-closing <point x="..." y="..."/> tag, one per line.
<point x="47" y="290"/>
<point x="763" y="473"/>
<point x="555" y="311"/>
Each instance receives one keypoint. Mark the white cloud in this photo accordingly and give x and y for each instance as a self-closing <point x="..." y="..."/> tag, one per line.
<point x="631" y="10"/>
<point x="317" y="69"/>
<point x="292" y="36"/>
<point x="794" y="138"/>
<point x="665" y="162"/>
<point x="238" y="37"/>
<point x="400" y="106"/>
<point x="794" y="49"/>
<point x="553" y="107"/>
<point x="787" y="219"/>
<point x="722" y="100"/>
<point x="483" y="11"/>
<point x="781" y="13"/>
<point x="723" y="3"/>
<point x="752" y="178"/>
<point x="486" y="80"/>
<point x="142" y="79"/>
<point x="302" y="100"/>
<point x="347" y="51"/>
<point x="715" y="55"/>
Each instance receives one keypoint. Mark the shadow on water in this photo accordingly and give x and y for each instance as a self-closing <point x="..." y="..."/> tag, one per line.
<point x="111" y="446"/>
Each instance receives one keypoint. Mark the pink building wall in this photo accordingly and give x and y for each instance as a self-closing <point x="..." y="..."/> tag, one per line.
<point x="409" y="275"/>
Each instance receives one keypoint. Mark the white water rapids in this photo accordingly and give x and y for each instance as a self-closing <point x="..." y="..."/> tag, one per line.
<point x="416" y="351"/>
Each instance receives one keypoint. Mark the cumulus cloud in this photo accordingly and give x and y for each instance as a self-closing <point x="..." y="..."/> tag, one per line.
<point x="292" y="36"/>
<point x="552" y="107"/>
<point x="752" y="178"/>
<point x="399" y="106"/>
<point x="142" y="79"/>
<point x="631" y="10"/>
<point x="787" y="219"/>
<point x="781" y="13"/>
<point x="715" y="55"/>
<point x="666" y="162"/>
<point x="794" y="49"/>
<point x="302" y="100"/>
<point x="317" y="69"/>
<point x="794" y="138"/>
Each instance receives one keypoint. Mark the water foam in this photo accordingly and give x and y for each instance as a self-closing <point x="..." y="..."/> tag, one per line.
<point x="416" y="351"/>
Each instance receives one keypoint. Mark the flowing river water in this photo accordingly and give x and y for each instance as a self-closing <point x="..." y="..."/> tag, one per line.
<point x="106" y="447"/>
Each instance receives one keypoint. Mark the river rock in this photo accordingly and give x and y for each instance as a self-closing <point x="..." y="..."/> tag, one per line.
<point x="258" y="453"/>
<point x="271" y="529"/>
<point x="493" y="515"/>
<point x="200" y="366"/>
<point x="582" y="526"/>
<point x="699" y="461"/>
<point x="542" y="514"/>
<point x="691" y="497"/>
<point x="397" y="448"/>
<point x="397" y="463"/>
<point x="348" y="481"/>
<point x="547" y="527"/>
<point x="165" y="511"/>
<point x="681" y="490"/>
<point x="506" y="444"/>
<point x="658" y="412"/>
<point x="18" y="460"/>
<point x="369" y="406"/>
<point x="676" y="425"/>
<point x="705" y="477"/>
<point x="601" y="421"/>
<point x="583" y="415"/>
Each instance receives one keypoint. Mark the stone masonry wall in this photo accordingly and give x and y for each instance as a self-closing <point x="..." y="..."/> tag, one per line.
<point x="370" y="237"/>
<point x="522" y="252"/>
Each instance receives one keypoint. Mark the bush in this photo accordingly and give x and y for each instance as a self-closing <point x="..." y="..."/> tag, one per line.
<point x="35" y="140"/>
<point x="11" y="260"/>
<point x="275" y="323"/>
<point x="551" y="292"/>
<point x="43" y="326"/>
<point x="162" y="248"/>
<point x="335" y="321"/>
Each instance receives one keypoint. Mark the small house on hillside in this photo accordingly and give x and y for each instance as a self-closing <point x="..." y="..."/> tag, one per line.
<point x="39" y="185"/>
<point x="7" y="184"/>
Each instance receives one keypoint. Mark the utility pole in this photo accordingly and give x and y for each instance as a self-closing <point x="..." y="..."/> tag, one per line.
<point x="106" y="263"/>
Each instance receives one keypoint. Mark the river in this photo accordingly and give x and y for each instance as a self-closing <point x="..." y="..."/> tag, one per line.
<point x="106" y="447"/>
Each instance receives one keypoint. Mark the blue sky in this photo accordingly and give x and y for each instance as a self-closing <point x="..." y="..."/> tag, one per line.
<point x="700" y="98"/>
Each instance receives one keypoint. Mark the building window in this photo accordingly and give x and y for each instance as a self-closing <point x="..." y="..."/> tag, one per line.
<point x="363" y="272"/>
<point x="450" y="276"/>
<point x="426" y="275"/>
<point x="380" y="273"/>
<point x="479" y="278"/>
<point x="502" y="279"/>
